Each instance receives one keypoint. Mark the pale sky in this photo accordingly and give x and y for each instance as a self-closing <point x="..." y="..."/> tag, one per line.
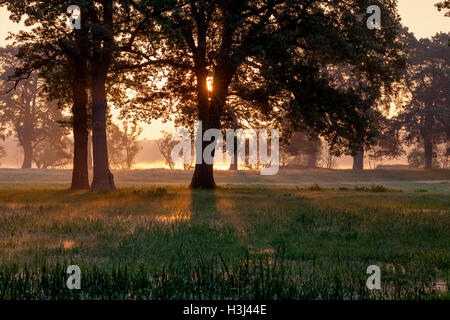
<point x="420" y="16"/>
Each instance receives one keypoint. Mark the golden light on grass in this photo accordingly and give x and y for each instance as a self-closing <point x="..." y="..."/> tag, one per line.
<point x="172" y="218"/>
<point x="68" y="244"/>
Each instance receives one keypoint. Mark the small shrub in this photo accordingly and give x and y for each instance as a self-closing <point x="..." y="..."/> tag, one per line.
<point x="374" y="188"/>
<point x="378" y="188"/>
<point x="150" y="193"/>
<point x="314" y="187"/>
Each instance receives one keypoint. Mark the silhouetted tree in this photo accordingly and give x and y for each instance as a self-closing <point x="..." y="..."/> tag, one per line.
<point x="54" y="152"/>
<point x="307" y="147"/>
<point x="426" y="114"/>
<point x="60" y="55"/>
<point x="416" y="158"/>
<point x="328" y="159"/>
<point x="2" y="149"/>
<point x="165" y="146"/>
<point x="82" y="59"/>
<point x="25" y="111"/>
<point x="123" y="144"/>
<point x="281" y="46"/>
<point x="388" y="144"/>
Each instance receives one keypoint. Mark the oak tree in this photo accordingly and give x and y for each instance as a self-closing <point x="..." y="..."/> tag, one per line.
<point x="281" y="47"/>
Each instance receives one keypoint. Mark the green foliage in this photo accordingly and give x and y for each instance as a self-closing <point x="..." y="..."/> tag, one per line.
<point x="265" y="73"/>
<point x="425" y="116"/>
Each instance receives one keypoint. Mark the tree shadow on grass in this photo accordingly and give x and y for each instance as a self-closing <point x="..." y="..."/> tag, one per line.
<point x="204" y="206"/>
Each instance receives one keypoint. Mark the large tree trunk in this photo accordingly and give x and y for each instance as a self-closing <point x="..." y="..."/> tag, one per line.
<point x="428" y="154"/>
<point x="89" y="151"/>
<point x="210" y="113"/>
<point x="80" y="176"/>
<point x="428" y="142"/>
<point x="103" y="178"/>
<point x="101" y="61"/>
<point x="27" y="153"/>
<point x="203" y="177"/>
<point x="26" y="132"/>
<point x="358" y="160"/>
<point x="312" y="157"/>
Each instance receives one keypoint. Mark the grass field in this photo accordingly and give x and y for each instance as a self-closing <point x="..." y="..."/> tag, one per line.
<point x="297" y="235"/>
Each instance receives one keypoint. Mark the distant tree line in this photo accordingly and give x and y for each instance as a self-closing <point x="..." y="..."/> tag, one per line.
<point x="308" y="67"/>
<point x="37" y="122"/>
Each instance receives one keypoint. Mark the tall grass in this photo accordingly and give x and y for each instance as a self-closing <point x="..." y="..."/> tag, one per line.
<point x="233" y="243"/>
<point x="253" y="277"/>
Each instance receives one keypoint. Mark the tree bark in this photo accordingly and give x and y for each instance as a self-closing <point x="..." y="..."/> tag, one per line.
<point x="103" y="178"/>
<point x="428" y="141"/>
<point x="210" y="110"/>
<point x="101" y="60"/>
<point x="89" y="151"/>
<point x="203" y="177"/>
<point x="27" y="153"/>
<point x="26" y="139"/>
<point x="358" y="160"/>
<point x="428" y="154"/>
<point x="312" y="157"/>
<point x="80" y="175"/>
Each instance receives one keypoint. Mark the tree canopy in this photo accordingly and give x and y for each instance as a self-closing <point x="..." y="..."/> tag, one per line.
<point x="270" y="54"/>
<point x="309" y="66"/>
<point x="425" y="115"/>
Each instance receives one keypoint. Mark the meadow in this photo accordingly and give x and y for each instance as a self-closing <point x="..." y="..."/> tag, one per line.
<point x="298" y="235"/>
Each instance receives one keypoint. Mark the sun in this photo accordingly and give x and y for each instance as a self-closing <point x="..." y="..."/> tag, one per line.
<point x="209" y="84"/>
